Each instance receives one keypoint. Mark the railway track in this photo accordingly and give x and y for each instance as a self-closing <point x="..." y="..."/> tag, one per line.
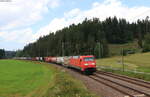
<point x="129" y="87"/>
<point x="128" y="79"/>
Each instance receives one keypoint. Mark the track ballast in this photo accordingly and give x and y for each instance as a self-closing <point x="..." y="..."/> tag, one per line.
<point x="130" y="87"/>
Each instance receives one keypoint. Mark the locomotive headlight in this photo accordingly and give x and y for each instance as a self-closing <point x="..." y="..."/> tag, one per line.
<point x="85" y="64"/>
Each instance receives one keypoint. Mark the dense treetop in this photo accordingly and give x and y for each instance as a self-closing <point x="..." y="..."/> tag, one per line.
<point x="2" y="53"/>
<point x="89" y="37"/>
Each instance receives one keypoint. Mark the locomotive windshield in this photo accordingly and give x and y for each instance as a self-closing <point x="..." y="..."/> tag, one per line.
<point x="89" y="59"/>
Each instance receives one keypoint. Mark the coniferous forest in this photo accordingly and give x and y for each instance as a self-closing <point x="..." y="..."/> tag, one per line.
<point x="89" y="37"/>
<point x="2" y="53"/>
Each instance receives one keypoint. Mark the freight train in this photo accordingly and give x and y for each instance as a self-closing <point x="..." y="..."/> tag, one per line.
<point x="86" y="64"/>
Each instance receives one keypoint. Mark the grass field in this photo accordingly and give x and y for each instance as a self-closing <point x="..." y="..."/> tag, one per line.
<point x="115" y="49"/>
<point x="35" y="79"/>
<point x="139" y="62"/>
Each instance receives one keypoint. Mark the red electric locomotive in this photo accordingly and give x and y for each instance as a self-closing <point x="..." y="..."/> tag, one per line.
<point x="86" y="63"/>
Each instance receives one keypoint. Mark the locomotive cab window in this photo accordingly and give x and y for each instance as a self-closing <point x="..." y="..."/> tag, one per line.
<point x="89" y="59"/>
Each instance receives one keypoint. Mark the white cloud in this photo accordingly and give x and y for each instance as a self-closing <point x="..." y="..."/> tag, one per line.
<point x="19" y="36"/>
<point x="108" y="8"/>
<point x="16" y="16"/>
<point x="95" y="4"/>
<point x="22" y="12"/>
<point x="53" y="26"/>
<point x="73" y="13"/>
<point x="54" y="3"/>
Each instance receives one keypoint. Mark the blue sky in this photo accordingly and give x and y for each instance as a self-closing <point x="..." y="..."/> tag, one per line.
<point x="23" y="22"/>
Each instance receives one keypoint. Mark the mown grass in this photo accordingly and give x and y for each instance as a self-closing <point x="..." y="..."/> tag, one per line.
<point x="139" y="62"/>
<point x="18" y="78"/>
<point x="36" y="79"/>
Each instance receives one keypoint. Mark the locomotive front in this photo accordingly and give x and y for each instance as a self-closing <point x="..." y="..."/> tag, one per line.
<point x="88" y="64"/>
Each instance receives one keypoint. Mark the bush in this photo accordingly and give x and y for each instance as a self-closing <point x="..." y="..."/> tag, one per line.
<point x="2" y="53"/>
<point x="127" y="51"/>
<point x="146" y="46"/>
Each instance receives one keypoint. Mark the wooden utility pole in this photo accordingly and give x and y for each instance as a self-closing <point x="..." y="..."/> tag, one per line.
<point x="122" y="59"/>
<point x="62" y="48"/>
<point x="99" y="50"/>
<point x="146" y="30"/>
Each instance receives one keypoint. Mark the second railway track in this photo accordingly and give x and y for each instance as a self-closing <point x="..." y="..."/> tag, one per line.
<point x="130" y="87"/>
<point x="139" y="82"/>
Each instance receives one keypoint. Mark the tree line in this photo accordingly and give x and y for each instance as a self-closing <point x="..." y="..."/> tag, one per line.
<point x="2" y="53"/>
<point x="92" y="36"/>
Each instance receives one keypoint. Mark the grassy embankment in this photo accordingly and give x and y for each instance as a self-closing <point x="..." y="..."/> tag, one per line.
<point x="139" y="62"/>
<point x="32" y="79"/>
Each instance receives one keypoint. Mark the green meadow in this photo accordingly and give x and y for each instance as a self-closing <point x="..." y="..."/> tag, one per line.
<point x="18" y="78"/>
<point x="139" y="62"/>
<point x="36" y="79"/>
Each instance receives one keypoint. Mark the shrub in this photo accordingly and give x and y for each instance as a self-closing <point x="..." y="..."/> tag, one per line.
<point x="146" y="46"/>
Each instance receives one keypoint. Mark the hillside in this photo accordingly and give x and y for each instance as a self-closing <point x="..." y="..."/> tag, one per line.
<point x="136" y="62"/>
